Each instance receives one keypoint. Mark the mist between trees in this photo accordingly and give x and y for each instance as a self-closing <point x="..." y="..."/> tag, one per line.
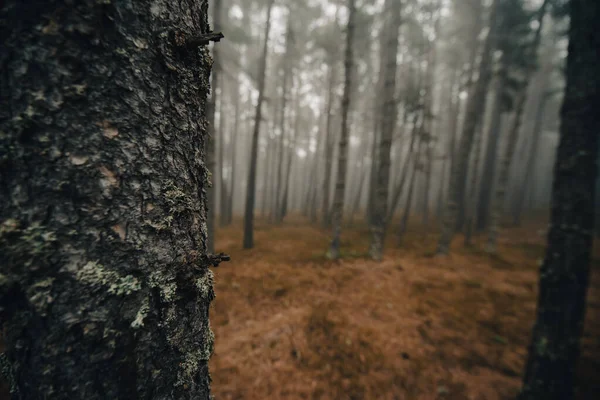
<point x="142" y="140"/>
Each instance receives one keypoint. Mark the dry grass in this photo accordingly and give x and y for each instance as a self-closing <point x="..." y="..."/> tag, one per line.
<point x="290" y="324"/>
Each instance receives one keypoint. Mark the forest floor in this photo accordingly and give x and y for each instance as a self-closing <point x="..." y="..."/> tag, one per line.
<point x="290" y="324"/>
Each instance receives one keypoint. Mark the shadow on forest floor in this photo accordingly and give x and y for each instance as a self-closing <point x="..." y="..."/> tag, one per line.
<point x="290" y="324"/>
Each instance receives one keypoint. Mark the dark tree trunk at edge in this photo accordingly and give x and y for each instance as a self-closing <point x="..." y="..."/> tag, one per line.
<point x="565" y="271"/>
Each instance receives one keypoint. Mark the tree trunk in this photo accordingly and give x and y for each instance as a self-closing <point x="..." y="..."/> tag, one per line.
<point x="105" y="283"/>
<point x="236" y="123"/>
<point x="291" y="155"/>
<point x="286" y="72"/>
<point x="210" y="144"/>
<point x="251" y="189"/>
<point x="491" y="155"/>
<point x="472" y="206"/>
<point x="411" y="187"/>
<point x="338" y="199"/>
<point x="474" y="112"/>
<point x="405" y="168"/>
<point x="535" y="135"/>
<point x="513" y="137"/>
<point x="388" y="122"/>
<point x="329" y="142"/>
<point x="221" y="166"/>
<point x="565" y="272"/>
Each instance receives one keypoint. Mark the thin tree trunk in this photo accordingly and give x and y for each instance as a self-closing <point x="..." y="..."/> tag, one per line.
<point x="105" y="284"/>
<point x="210" y="148"/>
<point x="358" y="195"/>
<point x="472" y="206"/>
<point x="329" y="143"/>
<point x="234" y="140"/>
<point x="513" y="137"/>
<point x="388" y="122"/>
<point x="488" y="173"/>
<point x="400" y="186"/>
<point x="338" y="199"/>
<point x="221" y="166"/>
<point x="565" y="273"/>
<point x="251" y="189"/>
<point x="286" y="72"/>
<point x="413" y="177"/>
<point x="474" y="112"/>
<point x="536" y="133"/>
<point x="291" y="156"/>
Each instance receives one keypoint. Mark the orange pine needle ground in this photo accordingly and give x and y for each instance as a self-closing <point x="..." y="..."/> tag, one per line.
<point x="290" y="324"/>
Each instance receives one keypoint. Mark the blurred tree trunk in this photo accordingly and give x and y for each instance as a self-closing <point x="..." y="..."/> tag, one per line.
<point x="513" y="137"/>
<point x="536" y="133"/>
<point x="338" y="199"/>
<point x="251" y="188"/>
<point x="474" y="112"/>
<point x="472" y="72"/>
<point x="491" y="155"/>
<point x="104" y="285"/>
<point x="404" y="174"/>
<point x="286" y="74"/>
<point x="471" y="207"/>
<point x="211" y="143"/>
<point x="315" y="178"/>
<point x="234" y="139"/>
<point x="565" y="272"/>
<point x="387" y="114"/>
<point x="411" y="186"/>
<point x="291" y="154"/>
<point x="221" y="167"/>
<point x="329" y="143"/>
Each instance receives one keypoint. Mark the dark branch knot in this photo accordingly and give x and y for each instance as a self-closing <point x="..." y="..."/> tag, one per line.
<point x="201" y="261"/>
<point x="200" y="40"/>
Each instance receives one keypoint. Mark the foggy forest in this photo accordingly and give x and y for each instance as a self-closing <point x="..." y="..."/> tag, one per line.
<point x="300" y="199"/>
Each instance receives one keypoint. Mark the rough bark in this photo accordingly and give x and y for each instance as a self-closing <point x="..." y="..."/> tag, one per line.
<point x="104" y="279"/>
<point x="251" y="188"/>
<point x="565" y="271"/>
<point x="474" y="112"/>
<point x="388" y="122"/>
<point x="338" y="199"/>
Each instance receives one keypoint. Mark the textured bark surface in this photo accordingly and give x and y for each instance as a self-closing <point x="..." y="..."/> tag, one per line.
<point x="340" y="185"/>
<point x="564" y="274"/>
<point x="388" y="122"/>
<point x="473" y="115"/>
<point x="104" y="280"/>
<point x="251" y="188"/>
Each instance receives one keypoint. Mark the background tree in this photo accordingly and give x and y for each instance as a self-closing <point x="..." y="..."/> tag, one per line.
<point x="251" y="185"/>
<point x="338" y="200"/>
